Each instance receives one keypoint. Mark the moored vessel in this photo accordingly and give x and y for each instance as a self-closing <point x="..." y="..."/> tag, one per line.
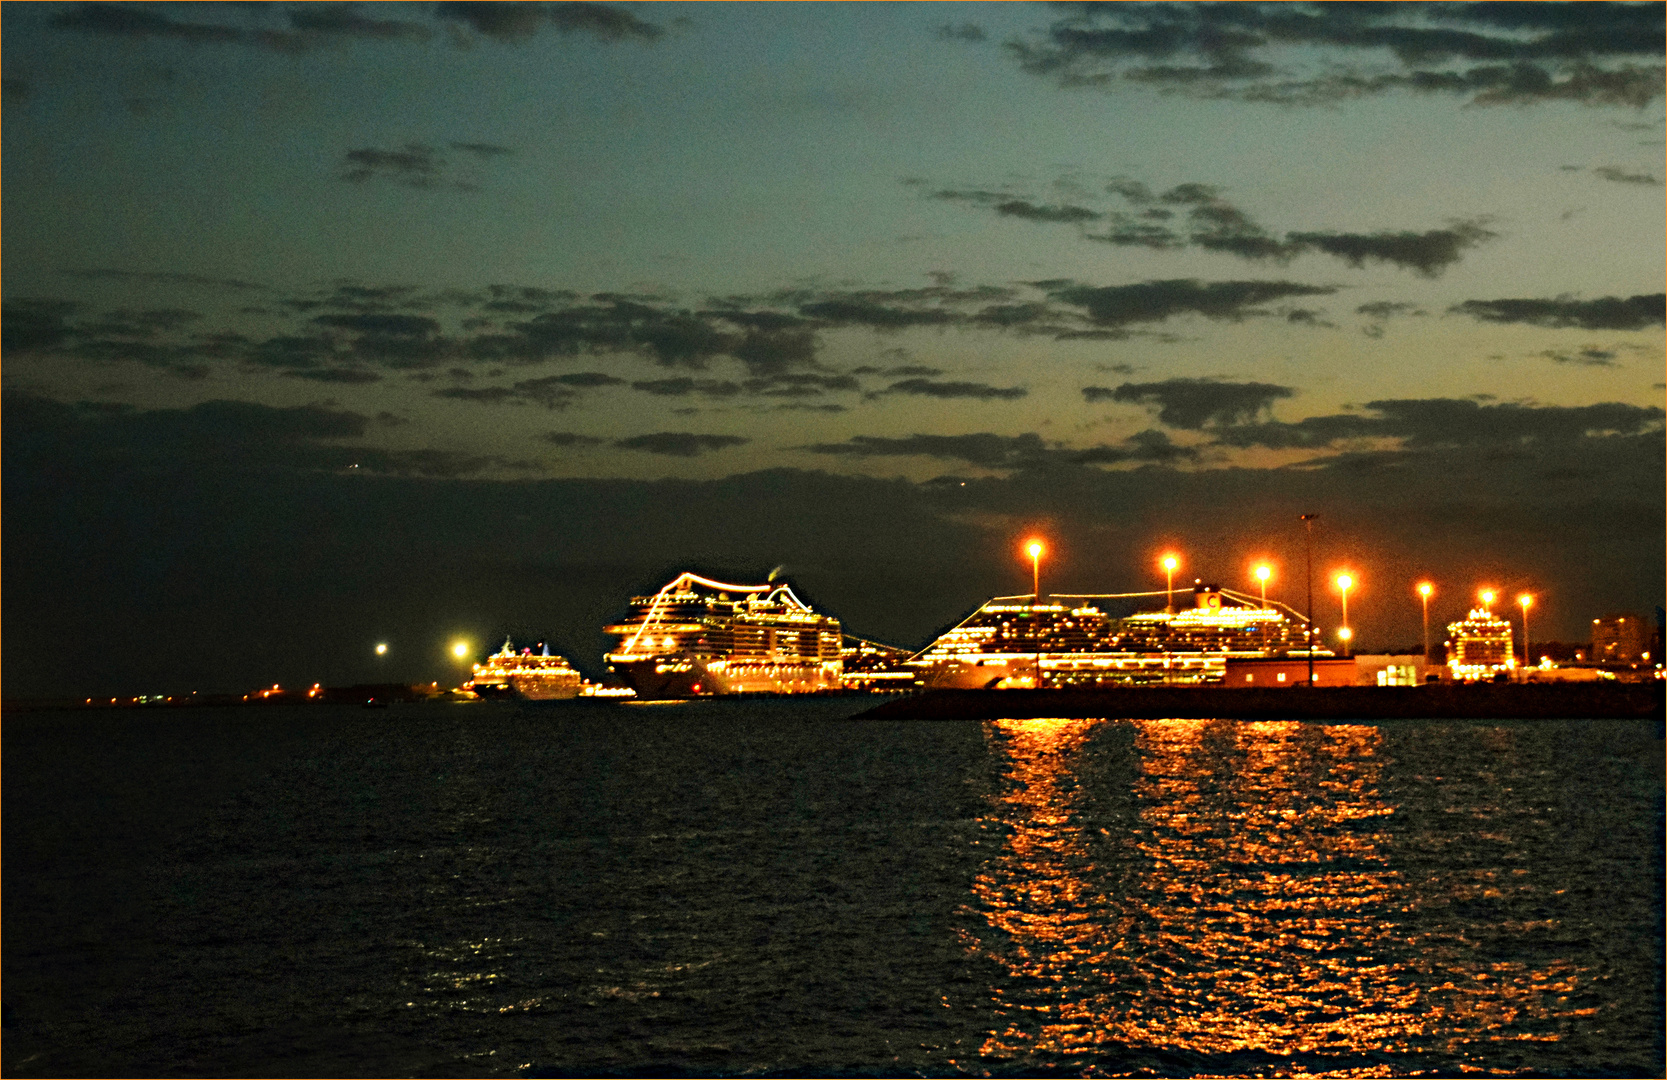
<point x="697" y="637"/>
<point x="526" y="675"/>
<point x="1062" y="641"/>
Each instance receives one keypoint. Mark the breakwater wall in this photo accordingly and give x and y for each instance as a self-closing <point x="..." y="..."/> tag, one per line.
<point x="1485" y="702"/>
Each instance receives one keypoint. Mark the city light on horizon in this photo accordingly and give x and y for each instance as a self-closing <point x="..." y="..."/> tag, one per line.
<point x="382" y="648"/>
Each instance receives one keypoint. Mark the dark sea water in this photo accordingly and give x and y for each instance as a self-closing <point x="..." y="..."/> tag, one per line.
<point x="767" y="887"/>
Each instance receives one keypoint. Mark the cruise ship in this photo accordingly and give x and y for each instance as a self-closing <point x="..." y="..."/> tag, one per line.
<point x="1072" y="641"/>
<point x="696" y="637"/>
<point x="526" y="675"/>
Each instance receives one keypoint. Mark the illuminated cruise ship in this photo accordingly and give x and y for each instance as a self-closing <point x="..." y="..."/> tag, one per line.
<point x="525" y="674"/>
<point x="1071" y="641"/>
<point x="697" y="637"/>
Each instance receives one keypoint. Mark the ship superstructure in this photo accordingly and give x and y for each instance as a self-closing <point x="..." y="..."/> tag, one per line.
<point x="1480" y="647"/>
<point x="696" y="637"/>
<point x="1073" y="641"/>
<point x="525" y="674"/>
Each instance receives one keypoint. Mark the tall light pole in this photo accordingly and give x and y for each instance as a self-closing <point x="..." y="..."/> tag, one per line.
<point x="1034" y="550"/>
<point x="1308" y="616"/>
<point x="1343" y="583"/>
<point x="1263" y="572"/>
<point x="1527" y="601"/>
<point x="1424" y="591"/>
<point x="1170" y="562"/>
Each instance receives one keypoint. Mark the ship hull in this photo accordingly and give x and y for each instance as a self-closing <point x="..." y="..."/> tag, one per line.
<point x="665" y="678"/>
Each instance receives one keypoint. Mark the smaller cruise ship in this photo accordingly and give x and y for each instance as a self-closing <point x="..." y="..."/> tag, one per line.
<point x="525" y="675"/>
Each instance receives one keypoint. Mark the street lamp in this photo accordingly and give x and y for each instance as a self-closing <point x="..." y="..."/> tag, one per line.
<point x="1343" y="583"/>
<point x="1034" y="549"/>
<point x="1308" y="613"/>
<point x="1486" y="596"/>
<point x="1264" y="572"/>
<point x="1170" y="562"/>
<point x="1527" y="601"/>
<point x="382" y="648"/>
<point x="460" y="649"/>
<point x="1424" y="591"/>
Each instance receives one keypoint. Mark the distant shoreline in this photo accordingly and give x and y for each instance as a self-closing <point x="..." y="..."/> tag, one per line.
<point x="1486" y="702"/>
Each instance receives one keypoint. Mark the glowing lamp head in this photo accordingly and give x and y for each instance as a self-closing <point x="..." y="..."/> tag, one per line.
<point x="1034" y="549"/>
<point x="1345" y="633"/>
<point x="1170" y="562"/>
<point x="1344" y="581"/>
<point x="1263" y="573"/>
<point x="382" y="649"/>
<point x="1526" y="600"/>
<point x="1425" y="589"/>
<point x="1487" y="597"/>
<point x="460" y="649"/>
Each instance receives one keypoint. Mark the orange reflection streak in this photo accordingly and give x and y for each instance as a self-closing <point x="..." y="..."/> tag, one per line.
<point x="1233" y="890"/>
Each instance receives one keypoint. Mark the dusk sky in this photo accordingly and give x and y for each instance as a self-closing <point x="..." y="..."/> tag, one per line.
<point x="330" y="324"/>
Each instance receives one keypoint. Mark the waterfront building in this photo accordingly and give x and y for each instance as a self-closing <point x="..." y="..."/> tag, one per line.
<point x="1620" y="638"/>
<point x="1479" y="647"/>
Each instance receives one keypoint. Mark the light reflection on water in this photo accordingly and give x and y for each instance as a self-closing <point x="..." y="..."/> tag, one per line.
<point x="1238" y="892"/>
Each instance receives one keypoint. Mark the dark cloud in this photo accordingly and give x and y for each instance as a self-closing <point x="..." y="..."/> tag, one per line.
<point x="1213" y="224"/>
<point x="679" y="443"/>
<point x="1429" y="423"/>
<point x="1587" y="357"/>
<point x="897" y="372"/>
<point x="587" y="379"/>
<point x="984" y="449"/>
<point x="964" y="32"/>
<point x="1033" y="212"/>
<point x="514" y="21"/>
<point x="485" y="395"/>
<point x="132" y="21"/>
<point x="1427" y="253"/>
<point x="1156" y="301"/>
<point x="348" y="376"/>
<point x="976" y="391"/>
<point x="1193" y="404"/>
<point x="29" y="325"/>
<point x="1605" y="313"/>
<point x="342" y="21"/>
<point x="1384" y="309"/>
<point x="1151" y="447"/>
<point x="382" y="324"/>
<point x="685" y="387"/>
<point x="1313" y="54"/>
<point x="1621" y="176"/>
<point x="413" y="165"/>
<point x="15" y="91"/>
<point x="570" y="439"/>
<point x="482" y="150"/>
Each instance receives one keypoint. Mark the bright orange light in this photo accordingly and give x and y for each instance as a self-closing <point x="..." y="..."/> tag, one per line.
<point x="1263" y="573"/>
<point x="382" y="649"/>
<point x="1345" y="633"/>
<point x="1170" y="562"/>
<point x="1344" y="581"/>
<point x="1034" y="549"/>
<point x="1425" y="589"/>
<point x="1487" y="597"/>
<point x="1525" y="600"/>
<point x="460" y="649"/>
